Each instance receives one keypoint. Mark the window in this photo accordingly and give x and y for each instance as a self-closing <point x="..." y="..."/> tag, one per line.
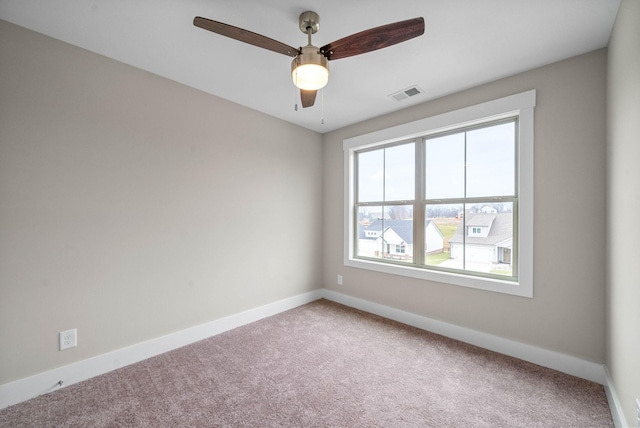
<point x="447" y="198"/>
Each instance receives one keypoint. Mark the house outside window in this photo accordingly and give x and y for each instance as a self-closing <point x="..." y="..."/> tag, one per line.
<point x="448" y="198"/>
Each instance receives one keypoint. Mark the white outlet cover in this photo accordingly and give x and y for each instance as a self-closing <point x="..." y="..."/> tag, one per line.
<point x="68" y="339"/>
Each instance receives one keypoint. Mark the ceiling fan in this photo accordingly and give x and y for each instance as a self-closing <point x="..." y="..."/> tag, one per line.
<point x="310" y="68"/>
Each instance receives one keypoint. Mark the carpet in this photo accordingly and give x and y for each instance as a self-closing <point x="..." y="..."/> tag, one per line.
<point x="322" y="365"/>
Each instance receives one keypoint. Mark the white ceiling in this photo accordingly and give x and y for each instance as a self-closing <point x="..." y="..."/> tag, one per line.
<point x="466" y="43"/>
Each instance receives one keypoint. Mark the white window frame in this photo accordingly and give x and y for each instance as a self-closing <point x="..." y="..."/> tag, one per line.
<point x="519" y="105"/>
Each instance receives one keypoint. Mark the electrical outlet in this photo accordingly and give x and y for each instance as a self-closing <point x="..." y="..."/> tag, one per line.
<point x="68" y="339"/>
<point x="339" y="279"/>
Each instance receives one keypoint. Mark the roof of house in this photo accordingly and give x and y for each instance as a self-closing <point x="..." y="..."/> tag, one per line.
<point x="403" y="228"/>
<point x="481" y="219"/>
<point x="500" y="224"/>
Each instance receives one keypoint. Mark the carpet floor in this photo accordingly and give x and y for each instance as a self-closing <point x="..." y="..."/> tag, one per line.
<point x="322" y="365"/>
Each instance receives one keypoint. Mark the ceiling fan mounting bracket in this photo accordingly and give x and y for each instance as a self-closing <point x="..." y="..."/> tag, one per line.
<point x="308" y="20"/>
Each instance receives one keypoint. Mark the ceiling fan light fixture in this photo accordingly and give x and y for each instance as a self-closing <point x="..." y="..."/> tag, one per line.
<point x="310" y="69"/>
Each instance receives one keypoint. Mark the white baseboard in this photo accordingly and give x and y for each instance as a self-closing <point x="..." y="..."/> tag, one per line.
<point x="41" y="383"/>
<point x="543" y="357"/>
<point x="617" y="414"/>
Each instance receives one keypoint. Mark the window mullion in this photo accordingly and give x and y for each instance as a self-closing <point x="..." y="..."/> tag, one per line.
<point x="464" y="208"/>
<point x="419" y="211"/>
<point x="515" y="251"/>
<point x="384" y="174"/>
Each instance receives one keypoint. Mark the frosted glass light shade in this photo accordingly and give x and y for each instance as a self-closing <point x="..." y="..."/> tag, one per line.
<point x="310" y="76"/>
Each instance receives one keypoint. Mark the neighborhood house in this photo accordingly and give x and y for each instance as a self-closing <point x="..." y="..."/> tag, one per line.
<point x="484" y="237"/>
<point x="389" y="238"/>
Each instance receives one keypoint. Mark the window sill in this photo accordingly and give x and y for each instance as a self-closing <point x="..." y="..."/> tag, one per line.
<point x="519" y="288"/>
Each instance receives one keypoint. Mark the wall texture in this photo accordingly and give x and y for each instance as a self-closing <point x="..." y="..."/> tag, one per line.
<point x="623" y="206"/>
<point x="567" y="313"/>
<point x="133" y="207"/>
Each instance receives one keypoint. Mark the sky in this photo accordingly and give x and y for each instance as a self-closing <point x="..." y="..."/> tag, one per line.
<point x="389" y="174"/>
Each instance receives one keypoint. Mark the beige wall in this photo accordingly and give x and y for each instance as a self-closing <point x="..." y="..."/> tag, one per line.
<point x="623" y="207"/>
<point x="132" y="206"/>
<point x="567" y="313"/>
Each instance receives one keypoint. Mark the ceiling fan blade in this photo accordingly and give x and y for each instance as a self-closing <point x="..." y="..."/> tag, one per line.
<point x="308" y="97"/>
<point x="245" y="36"/>
<point x="374" y="39"/>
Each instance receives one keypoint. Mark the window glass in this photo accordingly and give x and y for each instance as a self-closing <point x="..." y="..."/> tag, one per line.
<point x="387" y="174"/>
<point x="485" y="241"/>
<point x="371" y="176"/>
<point x="385" y="232"/>
<point x="491" y="161"/>
<point x="399" y="167"/>
<point x="444" y="169"/>
<point x="442" y="221"/>
<point x="467" y="227"/>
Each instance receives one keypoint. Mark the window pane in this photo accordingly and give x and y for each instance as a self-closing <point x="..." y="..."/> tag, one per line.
<point x="491" y="161"/>
<point x="399" y="166"/>
<point x="368" y="231"/>
<point x="444" y="160"/>
<point x="370" y="176"/>
<point x="385" y="232"/>
<point x="488" y="230"/>
<point x="441" y="223"/>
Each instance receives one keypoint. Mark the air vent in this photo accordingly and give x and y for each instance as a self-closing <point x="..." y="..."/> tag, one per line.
<point x="407" y="93"/>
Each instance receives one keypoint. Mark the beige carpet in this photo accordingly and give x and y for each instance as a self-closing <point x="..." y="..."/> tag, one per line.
<point x="322" y="365"/>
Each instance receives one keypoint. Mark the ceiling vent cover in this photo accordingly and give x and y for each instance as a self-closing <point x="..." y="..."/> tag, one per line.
<point x="407" y="93"/>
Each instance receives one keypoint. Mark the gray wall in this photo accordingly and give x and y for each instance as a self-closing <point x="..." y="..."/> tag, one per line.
<point x="623" y="207"/>
<point x="132" y="206"/>
<point x="567" y="313"/>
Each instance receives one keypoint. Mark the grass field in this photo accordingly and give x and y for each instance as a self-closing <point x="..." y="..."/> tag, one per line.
<point x="447" y="225"/>
<point x="436" y="259"/>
